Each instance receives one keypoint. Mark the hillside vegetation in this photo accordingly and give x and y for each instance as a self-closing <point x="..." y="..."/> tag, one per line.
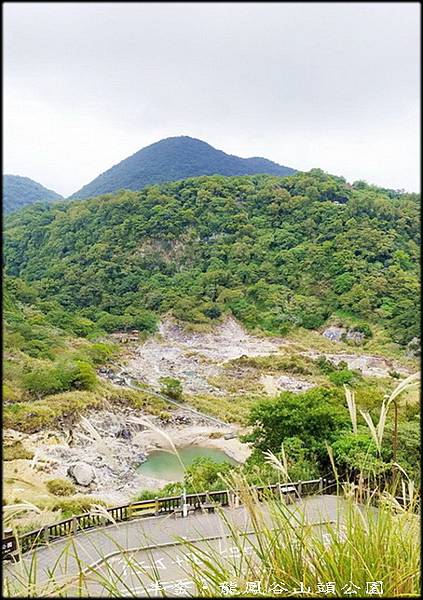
<point x="173" y="159"/>
<point x="276" y="252"/>
<point x="21" y="191"/>
<point x="49" y="374"/>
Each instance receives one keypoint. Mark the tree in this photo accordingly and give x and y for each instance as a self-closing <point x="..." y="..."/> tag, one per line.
<point x="80" y="376"/>
<point x="277" y="251"/>
<point x="356" y="453"/>
<point x="302" y="465"/>
<point x="314" y="417"/>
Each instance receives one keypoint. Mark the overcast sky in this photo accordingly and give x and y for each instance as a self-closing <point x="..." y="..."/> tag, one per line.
<point x="327" y="85"/>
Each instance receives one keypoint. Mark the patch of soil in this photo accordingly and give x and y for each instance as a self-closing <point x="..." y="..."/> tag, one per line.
<point x="201" y="361"/>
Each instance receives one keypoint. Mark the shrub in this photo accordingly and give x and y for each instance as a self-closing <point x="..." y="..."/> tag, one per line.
<point x="146" y="495"/>
<point x="315" y="417"/>
<point x="16" y="451"/>
<point x="60" y="487"/>
<point x="170" y="489"/>
<point x="215" y="435"/>
<point x="357" y="452"/>
<point x="363" y="328"/>
<point x="79" y="375"/>
<point x="204" y="474"/>
<point x="76" y="505"/>
<point x="82" y="376"/>
<point x="171" y="387"/>
<point x="82" y="326"/>
<point x="341" y="377"/>
<point x="165" y="416"/>
<point x="143" y="320"/>
<point x="325" y="366"/>
<point x="9" y="394"/>
<point x="43" y="382"/>
<point x="38" y="414"/>
<point x="100" y="352"/>
<point x="212" y="312"/>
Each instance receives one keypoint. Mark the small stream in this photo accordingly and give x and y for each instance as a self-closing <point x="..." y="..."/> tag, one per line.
<point x="166" y="465"/>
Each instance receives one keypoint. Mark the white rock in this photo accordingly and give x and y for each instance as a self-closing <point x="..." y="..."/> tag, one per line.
<point x="82" y="473"/>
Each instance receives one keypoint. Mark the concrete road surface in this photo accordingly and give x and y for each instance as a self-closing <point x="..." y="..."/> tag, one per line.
<point x="145" y="557"/>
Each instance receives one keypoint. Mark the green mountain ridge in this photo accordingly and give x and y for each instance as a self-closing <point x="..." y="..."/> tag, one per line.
<point x="172" y="159"/>
<point x="20" y="191"/>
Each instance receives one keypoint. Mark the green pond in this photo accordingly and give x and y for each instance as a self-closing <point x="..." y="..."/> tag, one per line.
<point x="167" y="466"/>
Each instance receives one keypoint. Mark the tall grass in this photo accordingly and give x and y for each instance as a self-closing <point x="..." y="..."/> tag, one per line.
<point x="361" y="545"/>
<point x="277" y="548"/>
<point x="378" y="430"/>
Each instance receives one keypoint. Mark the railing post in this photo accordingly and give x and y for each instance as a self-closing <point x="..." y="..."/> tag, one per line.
<point x="74" y="524"/>
<point x="156" y="500"/>
<point x="46" y="534"/>
<point x="320" y="485"/>
<point x="300" y="487"/>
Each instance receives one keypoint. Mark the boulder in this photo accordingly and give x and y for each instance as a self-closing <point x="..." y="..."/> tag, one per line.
<point x="82" y="473"/>
<point x="290" y="384"/>
<point x="334" y="333"/>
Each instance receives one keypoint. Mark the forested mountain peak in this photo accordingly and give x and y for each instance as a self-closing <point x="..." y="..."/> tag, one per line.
<point x="19" y="191"/>
<point x="172" y="159"/>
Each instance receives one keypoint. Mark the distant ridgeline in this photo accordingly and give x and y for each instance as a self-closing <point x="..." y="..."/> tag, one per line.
<point x="173" y="159"/>
<point x="21" y="191"/>
<point x="170" y="159"/>
<point x="276" y="252"/>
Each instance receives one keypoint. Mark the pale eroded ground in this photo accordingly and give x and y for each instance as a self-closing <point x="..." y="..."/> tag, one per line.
<point x="198" y="360"/>
<point x="95" y="441"/>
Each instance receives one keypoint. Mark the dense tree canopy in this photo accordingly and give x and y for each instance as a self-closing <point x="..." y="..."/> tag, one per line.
<point x="276" y="252"/>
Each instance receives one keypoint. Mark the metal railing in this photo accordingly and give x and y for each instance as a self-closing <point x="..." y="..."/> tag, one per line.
<point x="12" y="545"/>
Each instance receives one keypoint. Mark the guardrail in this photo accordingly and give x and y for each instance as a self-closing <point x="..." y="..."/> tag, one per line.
<point x="12" y="545"/>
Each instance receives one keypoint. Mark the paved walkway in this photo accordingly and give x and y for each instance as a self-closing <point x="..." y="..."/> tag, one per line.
<point x="153" y="544"/>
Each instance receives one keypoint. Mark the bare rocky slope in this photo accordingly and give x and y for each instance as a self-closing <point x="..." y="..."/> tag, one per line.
<point x="196" y="359"/>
